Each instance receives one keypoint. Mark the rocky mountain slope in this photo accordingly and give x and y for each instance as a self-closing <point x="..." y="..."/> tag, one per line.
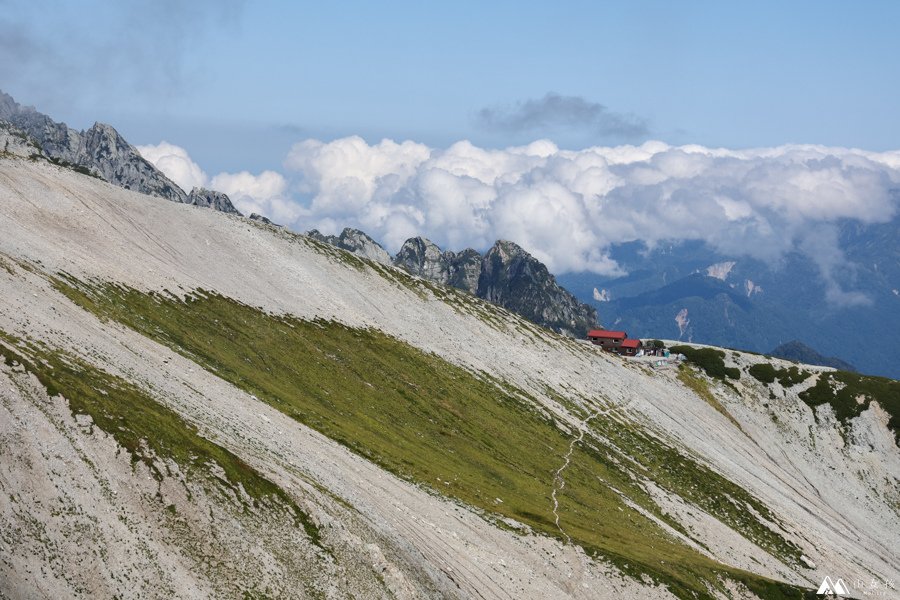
<point x="101" y="151"/>
<point x="515" y="280"/>
<point x="506" y="276"/>
<point x="195" y="404"/>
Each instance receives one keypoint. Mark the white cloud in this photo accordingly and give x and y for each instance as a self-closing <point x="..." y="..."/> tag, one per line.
<point x="347" y="175"/>
<point x="263" y="194"/>
<point x="175" y="163"/>
<point x="567" y="207"/>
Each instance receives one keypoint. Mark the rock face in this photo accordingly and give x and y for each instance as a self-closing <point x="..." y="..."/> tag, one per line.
<point x="214" y="200"/>
<point x="465" y="270"/>
<point x="424" y="258"/>
<point x="519" y="282"/>
<point x="100" y="151"/>
<point x="115" y="160"/>
<point x="55" y="139"/>
<point x="355" y="241"/>
<point x="506" y="275"/>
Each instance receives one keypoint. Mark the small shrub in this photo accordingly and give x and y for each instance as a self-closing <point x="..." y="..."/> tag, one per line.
<point x="792" y="376"/>
<point x="766" y="373"/>
<point x="710" y="360"/>
<point x="763" y="372"/>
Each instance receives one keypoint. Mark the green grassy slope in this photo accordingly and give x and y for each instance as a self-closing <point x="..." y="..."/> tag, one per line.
<point x="482" y="442"/>
<point x="145" y="428"/>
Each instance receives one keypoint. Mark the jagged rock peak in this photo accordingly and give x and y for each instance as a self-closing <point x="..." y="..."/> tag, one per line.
<point x="99" y="150"/>
<point x="465" y="270"/>
<point x="514" y="279"/>
<point x="8" y="105"/>
<point x="212" y="199"/>
<point x="420" y="256"/>
<point x="118" y="162"/>
<point x="355" y="241"/>
<point x="508" y="250"/>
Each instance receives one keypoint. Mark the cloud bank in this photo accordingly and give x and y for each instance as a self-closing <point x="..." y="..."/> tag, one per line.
<point x="567" y="207"/>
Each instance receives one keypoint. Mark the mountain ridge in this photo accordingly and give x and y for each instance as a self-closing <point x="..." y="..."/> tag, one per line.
<point x="768" y="303"/>
<point x="506" y="275"/>
<point x="104" y="153"/>
<point x="798" y="351"/>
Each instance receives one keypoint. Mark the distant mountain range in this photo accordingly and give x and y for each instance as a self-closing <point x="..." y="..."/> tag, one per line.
<point x="801" y="353"/>
<point x="690" y="292"/>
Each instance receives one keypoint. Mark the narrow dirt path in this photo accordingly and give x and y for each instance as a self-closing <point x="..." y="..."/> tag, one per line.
<point x="558" y="482"/>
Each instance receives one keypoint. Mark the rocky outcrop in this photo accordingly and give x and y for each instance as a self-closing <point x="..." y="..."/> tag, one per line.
<point x="211" y="199"/>
<point x="103" y="152"/>
<point x="56" y="140"/>
<point x="507" y="276"/>
<point x="424" y="258"/>
<point x="118" y="162"/>
<point x="15" y="142"/>
<point x="100" y="150"/>
<point x="515" y="280"/>
<point x="465" y="270"/>
<point x="355" y="241"/>
<point x="262" y="219"/>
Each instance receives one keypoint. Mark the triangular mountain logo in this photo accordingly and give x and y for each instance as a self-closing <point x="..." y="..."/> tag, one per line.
<point x="833" y="588"/>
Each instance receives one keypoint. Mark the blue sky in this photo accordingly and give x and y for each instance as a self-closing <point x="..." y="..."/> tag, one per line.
<point x="238" y="83"/>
